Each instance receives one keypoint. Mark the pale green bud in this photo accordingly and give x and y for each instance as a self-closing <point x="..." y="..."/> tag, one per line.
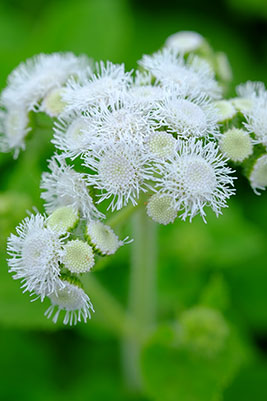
<point x="53" y="104"/>
<point x="160" y="209"/>
<point x="242" y="104"/>
<point x="223" y="67"/>
<point x="185" y="41"/>
<point x="236" y="144"/>
<point x="79" y="256"/>
<point x="162" y="144"/>
<point x="63" y="219"/>
<point x="226" y="110"/>
<point x="102" y="238"/>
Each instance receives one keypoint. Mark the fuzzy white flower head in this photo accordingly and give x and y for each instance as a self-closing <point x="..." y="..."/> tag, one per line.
<point x="248" y="94"/>
<point x="258" y="175"/>
<point x="143" y="91"/>
<point x="13" y="128"/>
<point x="35" y="256"/>
<point x="193" y="75"/>
<point x="161" y="144"/>
<point x="226" y="110"/>
<point x="65" y="187"/>
<point x="160" y="209"/>
<point x="191" y="116"/>
<point x="256" y="120"/>
<point x="251" y="89"/>
<point x="185" y="41"/>
<point x="121" y="119"/>
<point x="236" y="144"/>
<point x="102" y="238"/>
<point x="72" y="300"/>
<point x="109" y="80"/>
<point x="78" y="257"/>
<point x="32" y="80"/>
<point x="122" y="171"/>
<point x="70" y="135"/>
<point x="197" y="176"/>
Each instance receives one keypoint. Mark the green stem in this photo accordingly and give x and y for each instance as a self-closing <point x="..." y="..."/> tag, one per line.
<point x="142" y="293"/>
<point x="109" y="309"/>
<point x="123" y="215"/>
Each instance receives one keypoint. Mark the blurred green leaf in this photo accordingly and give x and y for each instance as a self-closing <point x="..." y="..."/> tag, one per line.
<point x="171" y="372"/>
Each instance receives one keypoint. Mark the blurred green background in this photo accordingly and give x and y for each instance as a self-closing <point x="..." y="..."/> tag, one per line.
<point x="221" y="264"/>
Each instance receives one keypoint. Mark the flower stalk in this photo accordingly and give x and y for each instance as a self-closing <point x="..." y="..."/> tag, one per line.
<point x="142" y="293"/>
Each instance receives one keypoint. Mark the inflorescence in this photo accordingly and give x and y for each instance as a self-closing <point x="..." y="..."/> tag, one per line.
<point x="164" y="131"/>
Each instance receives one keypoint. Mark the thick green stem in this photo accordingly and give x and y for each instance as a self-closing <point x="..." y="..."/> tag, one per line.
<point x="142" y="293"/>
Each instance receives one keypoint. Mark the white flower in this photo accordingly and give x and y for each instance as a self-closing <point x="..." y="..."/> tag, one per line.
<point x="109" y="80"/>
<point x="70" y="136"/>
<point x="32" y="80"/>
<point x="185" y="41"/>
<point x="197" y="176"/>
<point x="193" y="75"/>
<point x="121" y="119"/>
<point x="258" y="175"/>
<point x="102" y="238"/>
<point x="36" y="253"/>
<point x="256" y="120"/>
<point x="160" y="209"/>
<point x="122" y="171"/>
<point x="191" y="116"/>
<point x="250" y="89"/>
<point x="143" y="91"/>
<point x="73" y="301"/>
<point x="255" y="112"/>
<point x="65" y="187"/>
<point x="236" y="144"/>
<point x="13" y="129"/>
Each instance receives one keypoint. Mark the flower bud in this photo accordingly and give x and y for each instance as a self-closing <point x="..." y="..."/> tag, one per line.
<point x="79" y="256"/>
<point x="236" y="144"/>
<point x="63" y="219"/>
<point x="160" y="209"/>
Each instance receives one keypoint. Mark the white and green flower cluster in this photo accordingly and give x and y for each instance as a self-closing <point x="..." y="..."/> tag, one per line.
<point x="49" y="255"/>
<point x="164" y="131"/>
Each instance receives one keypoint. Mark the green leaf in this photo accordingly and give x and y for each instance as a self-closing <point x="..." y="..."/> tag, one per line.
<point x="171" y="371"/>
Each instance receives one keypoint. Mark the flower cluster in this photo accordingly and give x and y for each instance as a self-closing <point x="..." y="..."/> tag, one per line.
<point x="162" y="136"/>
<point x="49" y="258"/>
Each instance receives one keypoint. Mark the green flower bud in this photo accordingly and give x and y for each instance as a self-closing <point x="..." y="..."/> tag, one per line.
<point x="79" y="256"/>
<point x="162" y="144"/>
<point x="63" y="219"/>
<point x="236" y="144"/>
<point x="160" y="209"/>
<point x="226" y="110"/>
<point x="53" y="104"/>
<point x="102" y="238"/>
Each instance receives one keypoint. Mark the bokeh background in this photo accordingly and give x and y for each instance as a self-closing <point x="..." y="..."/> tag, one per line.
<point x="222" y="264"/>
